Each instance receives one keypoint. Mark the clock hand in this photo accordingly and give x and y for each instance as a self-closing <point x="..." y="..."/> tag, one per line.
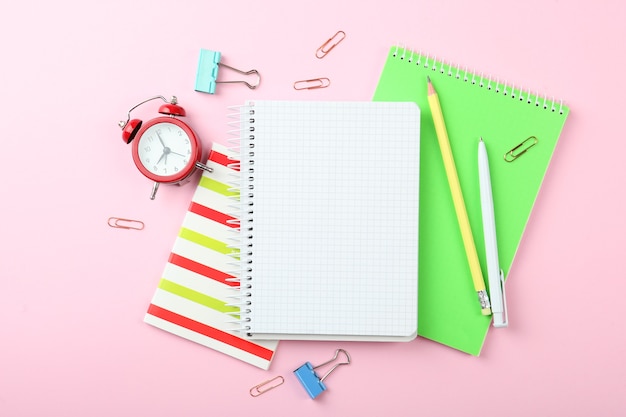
<point x="166" y="151"/>
<point x="160" y="140"/>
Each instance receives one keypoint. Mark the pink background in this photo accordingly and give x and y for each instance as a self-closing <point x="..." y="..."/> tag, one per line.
<point x="73" y="291"/>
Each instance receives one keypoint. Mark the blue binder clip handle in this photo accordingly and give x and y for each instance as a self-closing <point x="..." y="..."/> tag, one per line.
<point x="312" y="383"/>
<point x="208" y="68"/>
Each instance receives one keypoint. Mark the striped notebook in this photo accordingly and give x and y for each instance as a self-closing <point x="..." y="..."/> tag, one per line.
<point x="193" y="296"/>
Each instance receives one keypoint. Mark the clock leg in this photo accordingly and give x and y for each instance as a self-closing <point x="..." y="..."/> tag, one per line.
<point x="155" y="188"/>
<point x="200" y="165"/>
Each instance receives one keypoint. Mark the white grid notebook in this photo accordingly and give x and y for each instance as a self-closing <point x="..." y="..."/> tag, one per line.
<point x="330" y="206"/>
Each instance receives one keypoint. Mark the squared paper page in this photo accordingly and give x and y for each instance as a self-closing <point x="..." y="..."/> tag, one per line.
<point x="335" y="240"/>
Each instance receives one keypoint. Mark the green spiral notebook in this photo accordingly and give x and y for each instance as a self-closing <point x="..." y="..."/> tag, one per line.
<point x="508" y="120"/>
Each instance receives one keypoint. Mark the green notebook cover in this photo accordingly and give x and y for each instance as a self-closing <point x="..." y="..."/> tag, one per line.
<point x="473" y="107"/>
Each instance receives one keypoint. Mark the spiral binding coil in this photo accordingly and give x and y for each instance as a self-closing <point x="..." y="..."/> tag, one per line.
<point x="241" y="153"/>
<point x="463" y="74"/>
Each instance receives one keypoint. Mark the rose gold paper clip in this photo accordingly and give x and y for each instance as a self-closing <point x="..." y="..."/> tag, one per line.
<point x="330" y="44"/>
<point x="120" y="223"/>
<point x="311" y="84"/>
<point x="265" y="386"/>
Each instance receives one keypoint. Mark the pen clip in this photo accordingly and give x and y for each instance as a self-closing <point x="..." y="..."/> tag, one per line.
<point x="505" y="318"/>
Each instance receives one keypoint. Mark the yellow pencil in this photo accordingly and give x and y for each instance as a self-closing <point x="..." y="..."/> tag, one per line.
<point x="457" y="198"/>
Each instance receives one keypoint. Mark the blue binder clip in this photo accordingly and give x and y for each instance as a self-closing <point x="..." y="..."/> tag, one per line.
<point x="208" y="68"/>
<point x="312" y="383"/>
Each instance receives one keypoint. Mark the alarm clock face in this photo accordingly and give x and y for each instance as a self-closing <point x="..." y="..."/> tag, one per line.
<point x="166" y="150"/>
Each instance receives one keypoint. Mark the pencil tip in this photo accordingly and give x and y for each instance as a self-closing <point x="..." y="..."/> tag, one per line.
<point x="428" y="78"/>
<point x="431" y="89"/>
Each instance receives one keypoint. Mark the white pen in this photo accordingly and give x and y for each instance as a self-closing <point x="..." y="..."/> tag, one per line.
<point x="494" y="273"/>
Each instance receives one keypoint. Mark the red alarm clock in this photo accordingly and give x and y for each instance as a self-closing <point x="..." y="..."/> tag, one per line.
<point x="165" y="149"/>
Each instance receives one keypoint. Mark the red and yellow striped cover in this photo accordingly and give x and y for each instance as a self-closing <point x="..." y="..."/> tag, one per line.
<point x="193" y="296"/>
